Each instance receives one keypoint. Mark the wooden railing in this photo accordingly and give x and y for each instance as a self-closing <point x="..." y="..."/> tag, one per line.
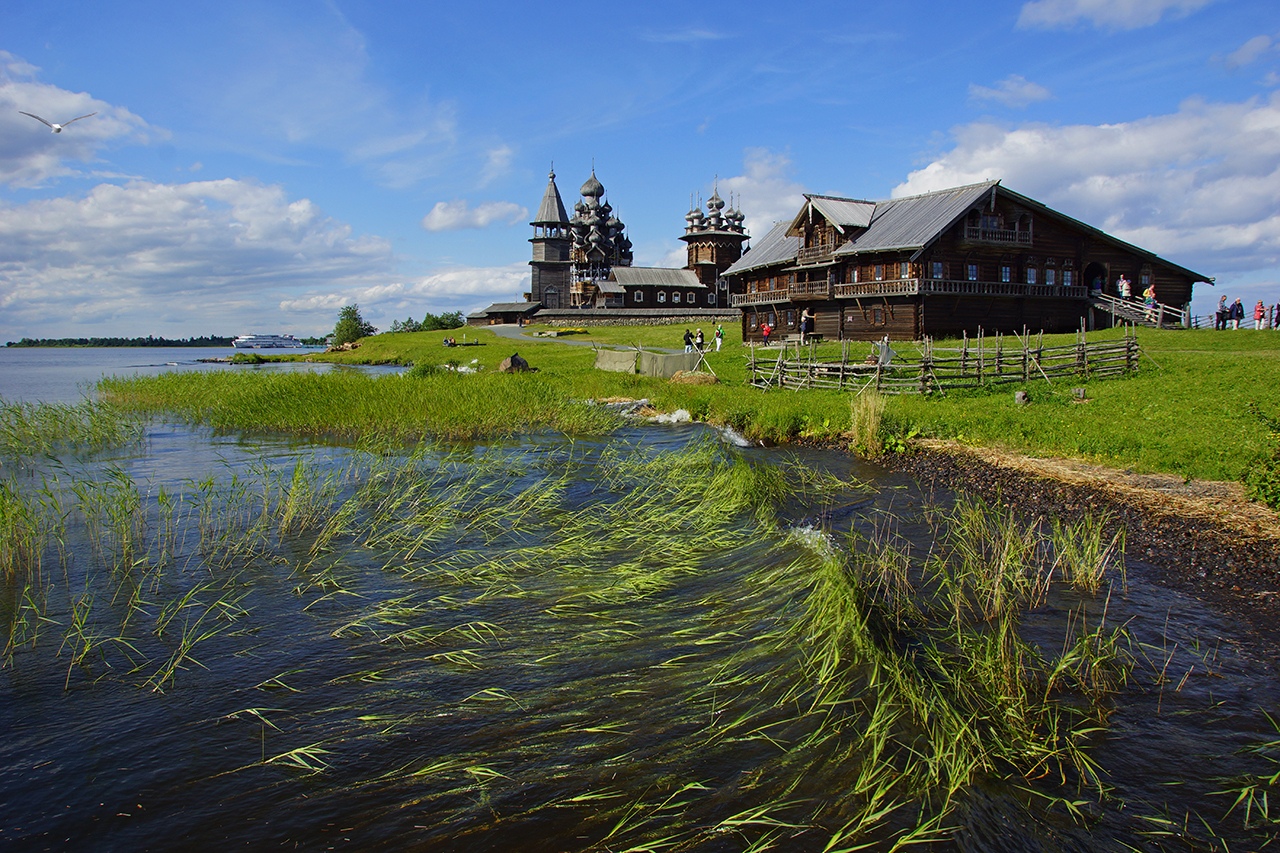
<point x="977" y="234"/>
<point x="1158" y="315"/>
<point x="816" y="254"/>
<point x="906" y="287"/>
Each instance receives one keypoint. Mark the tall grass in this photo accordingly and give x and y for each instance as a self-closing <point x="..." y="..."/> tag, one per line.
<point x="38" y="429"/>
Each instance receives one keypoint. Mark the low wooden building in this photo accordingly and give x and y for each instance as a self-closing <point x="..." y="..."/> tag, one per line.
<point x="501" y="313"/>
<point x="941" y="264"/>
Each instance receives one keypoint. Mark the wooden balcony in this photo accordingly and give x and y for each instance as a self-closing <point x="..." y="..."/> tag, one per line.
<point x="818" y="254"/>
<point x="904" y="287"/>
<point x="996" y="236"/>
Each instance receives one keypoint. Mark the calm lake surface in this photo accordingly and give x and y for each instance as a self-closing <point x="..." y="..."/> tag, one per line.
<point x="542" y="644"/>
<point x="68" y="374"/>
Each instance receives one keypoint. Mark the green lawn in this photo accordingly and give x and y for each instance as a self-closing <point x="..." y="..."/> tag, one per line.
<point x="1185" y="412"/>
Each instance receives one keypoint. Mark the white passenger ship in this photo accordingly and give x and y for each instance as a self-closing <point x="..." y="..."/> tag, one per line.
<point x="267" y="342"/>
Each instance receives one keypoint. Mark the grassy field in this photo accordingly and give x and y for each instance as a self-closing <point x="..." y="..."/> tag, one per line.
<point x="1185" y="412"/>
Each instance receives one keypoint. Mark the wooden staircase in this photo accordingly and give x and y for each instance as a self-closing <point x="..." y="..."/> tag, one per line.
<point x="1158" y="316"/>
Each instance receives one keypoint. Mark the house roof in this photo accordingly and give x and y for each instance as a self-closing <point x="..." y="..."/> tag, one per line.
<point x="844" y="213"/>
<point x="915" y="221"/>
<point x="655" y="276"/>
<point x="551" y="211"/>
<point x="774" y="247"/>
<point x="507" y="308"/>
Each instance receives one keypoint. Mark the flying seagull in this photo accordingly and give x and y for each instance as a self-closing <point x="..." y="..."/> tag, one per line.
<point x="56" y="128"/>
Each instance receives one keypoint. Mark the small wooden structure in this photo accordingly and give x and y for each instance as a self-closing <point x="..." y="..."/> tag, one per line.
<point x="982" y="360"/>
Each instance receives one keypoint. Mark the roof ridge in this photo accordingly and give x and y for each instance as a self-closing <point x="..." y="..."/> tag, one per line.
<point x="989" y="183"/>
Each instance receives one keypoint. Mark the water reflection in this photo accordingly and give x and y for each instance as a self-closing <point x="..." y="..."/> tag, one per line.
<point x="541" y="644"/>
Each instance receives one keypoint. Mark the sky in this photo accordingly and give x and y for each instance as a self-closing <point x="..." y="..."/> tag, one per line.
<point x="254" y="167"/>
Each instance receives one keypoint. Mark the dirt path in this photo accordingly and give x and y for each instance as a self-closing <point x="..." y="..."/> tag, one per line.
<point x="1204" y="538"/>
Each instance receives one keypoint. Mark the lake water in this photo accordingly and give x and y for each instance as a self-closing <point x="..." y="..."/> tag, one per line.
<point x="68" y="374"/>
<point x="554" y="644"/>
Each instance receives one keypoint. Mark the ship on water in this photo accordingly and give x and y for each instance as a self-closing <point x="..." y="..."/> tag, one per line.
<point x="267" y="342"/>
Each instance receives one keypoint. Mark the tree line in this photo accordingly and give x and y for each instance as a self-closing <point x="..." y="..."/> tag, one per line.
<point x="148" y="341"/>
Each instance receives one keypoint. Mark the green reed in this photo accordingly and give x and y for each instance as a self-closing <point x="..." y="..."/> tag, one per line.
<point x="483" y="572"/>
<point x="29" y="430"/>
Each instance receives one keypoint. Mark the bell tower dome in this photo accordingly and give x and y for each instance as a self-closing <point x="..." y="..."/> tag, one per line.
<point x="552" y="239"/>
<point x="714" y="239"/>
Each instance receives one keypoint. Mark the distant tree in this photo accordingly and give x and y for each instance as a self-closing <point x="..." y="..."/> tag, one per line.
<point x="430" y="323"/>
<point x="449" y="320"/>
<point x="407" y="325"/>
<point x="351" y="326"/>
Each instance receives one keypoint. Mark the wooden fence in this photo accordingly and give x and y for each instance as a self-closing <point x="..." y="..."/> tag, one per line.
<point x="984" y="360"/>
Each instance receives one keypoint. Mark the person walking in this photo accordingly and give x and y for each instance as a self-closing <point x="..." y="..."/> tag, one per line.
<point x="1224" y="313"/>
<point x="719" y="336"/>
<point x="765" y="329"/>
<point x="1237" y="314"/>
<point x="1259" y="315"/>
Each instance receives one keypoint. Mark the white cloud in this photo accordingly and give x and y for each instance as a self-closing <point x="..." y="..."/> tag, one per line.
<point x="305" y="82"/>
<point x="174" y="259"/>
<point x="455" y="215"/>
<point x="685" y="35"/>
<point x="497" y="163"/>
<point x="1013" y="91"/>
<point x="29" y="154"/>
<point x="460" y="288"/>
<point x="1198" y="186"/>
<point x="766" y="190"/>
<point x="1105" y="14"/>
<point x="1248" y="52"/>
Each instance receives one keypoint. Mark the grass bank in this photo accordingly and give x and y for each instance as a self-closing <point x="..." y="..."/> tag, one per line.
<point x="1186" y="412"/>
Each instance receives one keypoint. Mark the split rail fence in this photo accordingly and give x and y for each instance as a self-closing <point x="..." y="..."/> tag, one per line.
<point x="978" y="361"/>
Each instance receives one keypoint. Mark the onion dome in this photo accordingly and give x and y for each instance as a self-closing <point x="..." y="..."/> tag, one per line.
<point x="592" y="188"/>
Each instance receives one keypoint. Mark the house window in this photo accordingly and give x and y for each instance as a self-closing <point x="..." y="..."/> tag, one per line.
<point x="904" y="270"/>
<point x="877" y="316"/>
<point x="662" y="296"/>
<point x="691" y="298"/>
<point x="639" y="295"/>
<point x="853" y="276"/>
<point x="711" y="298"/>
<point x="1006" y="274"/>
<point x="791" y="317"/>
<point x="1050" y="274"/>
<point x="879" y="272"/>
<point x="937" y="269"/>
<point x="1067" y="276"/>
<point x="973" y="272"/>
<point x="755" y="321"/>
<point x="1031" y="275"/>
<point x="1144" y="278"/>
<point x="675" y="296"/>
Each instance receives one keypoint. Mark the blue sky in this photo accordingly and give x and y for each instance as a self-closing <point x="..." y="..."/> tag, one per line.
<point x="256" y="166"/>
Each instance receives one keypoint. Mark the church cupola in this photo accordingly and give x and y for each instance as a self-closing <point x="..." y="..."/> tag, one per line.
<point x="551" y="245"/>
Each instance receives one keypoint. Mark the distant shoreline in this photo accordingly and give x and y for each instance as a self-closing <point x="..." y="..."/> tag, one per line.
<point x="211" y="341"/>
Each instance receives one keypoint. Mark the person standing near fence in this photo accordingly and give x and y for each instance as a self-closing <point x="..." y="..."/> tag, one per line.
<point x="688" y="341"/>
<point x="1259" y="315"/>
<point x="1237" y="314"/>
<point x="1220" y="319"/>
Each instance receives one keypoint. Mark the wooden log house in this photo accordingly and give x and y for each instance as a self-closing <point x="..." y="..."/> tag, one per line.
<point x="978" y="257"/>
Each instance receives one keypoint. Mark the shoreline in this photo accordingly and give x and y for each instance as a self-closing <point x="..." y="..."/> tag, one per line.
<point x="1203" y="538"/>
